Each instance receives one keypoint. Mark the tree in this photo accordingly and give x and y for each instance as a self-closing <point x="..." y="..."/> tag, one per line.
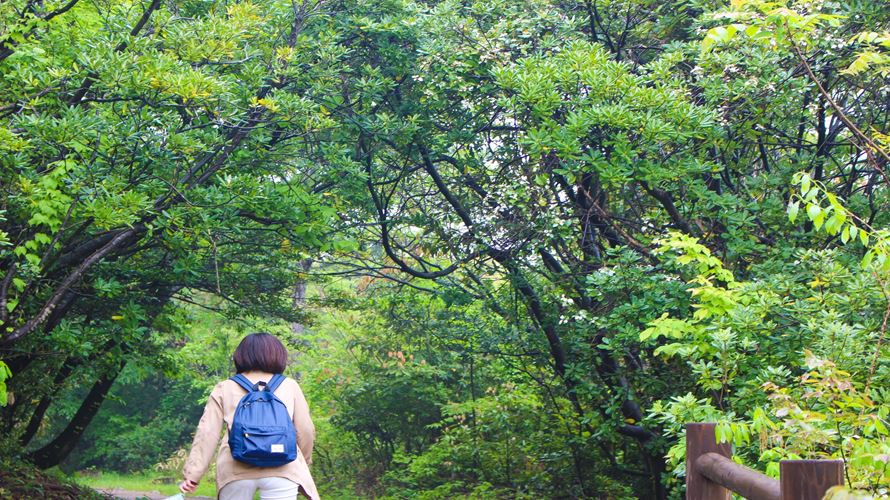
<point x="146" y="156"/>
<point x="499" y="145"/>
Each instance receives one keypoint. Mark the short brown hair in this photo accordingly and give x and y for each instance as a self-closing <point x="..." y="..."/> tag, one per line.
<point x="261" y="352"/>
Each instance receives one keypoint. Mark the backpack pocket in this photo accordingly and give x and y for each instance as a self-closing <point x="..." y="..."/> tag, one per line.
<point x="268" y="444"/>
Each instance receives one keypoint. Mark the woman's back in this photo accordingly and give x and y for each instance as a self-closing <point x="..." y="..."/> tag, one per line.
<point x="212" y="436"/>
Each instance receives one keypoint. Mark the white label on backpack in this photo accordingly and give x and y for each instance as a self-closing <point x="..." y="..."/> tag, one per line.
<point x="277" y="448"/>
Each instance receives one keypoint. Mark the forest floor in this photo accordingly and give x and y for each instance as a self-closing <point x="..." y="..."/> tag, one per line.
<point x="21" y="480"/>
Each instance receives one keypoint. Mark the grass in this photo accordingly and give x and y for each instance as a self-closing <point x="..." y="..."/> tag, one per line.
<point x="143" y="482"/>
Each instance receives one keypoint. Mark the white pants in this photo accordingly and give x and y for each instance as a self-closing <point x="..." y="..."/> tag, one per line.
<point x="271" y="488"/>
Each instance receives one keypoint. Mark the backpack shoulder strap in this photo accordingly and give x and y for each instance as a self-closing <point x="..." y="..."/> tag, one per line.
<point x="243" y="382"/>
<point x="274" y="382"/>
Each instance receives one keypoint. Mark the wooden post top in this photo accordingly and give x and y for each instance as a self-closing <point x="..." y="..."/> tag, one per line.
<point x="701" y="439"/>
<point x="809" y="479"/>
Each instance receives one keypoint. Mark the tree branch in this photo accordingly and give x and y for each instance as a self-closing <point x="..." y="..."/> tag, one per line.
<point x="65" y="285"/>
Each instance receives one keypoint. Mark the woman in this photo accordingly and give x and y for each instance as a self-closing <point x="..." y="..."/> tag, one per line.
<point x="258" y="357"/>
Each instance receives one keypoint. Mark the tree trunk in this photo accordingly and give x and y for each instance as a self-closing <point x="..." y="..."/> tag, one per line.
<point x="53" y="453"/>
<point x="299" y="295"/>
<point x="45" y="401"/>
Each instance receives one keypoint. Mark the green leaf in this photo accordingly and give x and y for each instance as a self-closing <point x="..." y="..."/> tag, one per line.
<point x="813" y="211"/>
<point x="345" y="245"/>
<point x="805" y="184"/>
<point x="793" y="209"/>
<point x="868" y="258"/>
<point x="833" y="224"/>
<point x="862" y="63"/>
<point x="669" y="350"/>
<point x="819" y="219"/>
<point x="5" y="374"/>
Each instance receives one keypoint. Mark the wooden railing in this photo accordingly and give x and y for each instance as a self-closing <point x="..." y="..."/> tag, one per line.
<point x="712" y="475"/>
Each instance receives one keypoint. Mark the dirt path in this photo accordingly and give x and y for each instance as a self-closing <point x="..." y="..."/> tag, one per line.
<point x="137" y="495"/>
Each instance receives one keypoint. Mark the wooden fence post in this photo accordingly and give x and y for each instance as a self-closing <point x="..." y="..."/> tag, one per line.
<point x="701" y="439"/>
<point x="809" y="479"/>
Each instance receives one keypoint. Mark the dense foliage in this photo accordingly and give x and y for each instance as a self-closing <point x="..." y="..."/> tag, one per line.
<point x="538" y="237"/>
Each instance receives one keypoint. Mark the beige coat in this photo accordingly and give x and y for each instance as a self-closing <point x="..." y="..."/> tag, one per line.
<point x="221" y="408"/>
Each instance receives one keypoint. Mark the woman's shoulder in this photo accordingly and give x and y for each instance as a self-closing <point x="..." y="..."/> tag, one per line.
<point x="228" y="389"/>
<point x="255" y="376"/>
<point x="220" y="390"/>
<point x="289" y="382"/>
<point x="289" y="387"/>
<point x="229" y="384"/>
<point x="225" y="385"/>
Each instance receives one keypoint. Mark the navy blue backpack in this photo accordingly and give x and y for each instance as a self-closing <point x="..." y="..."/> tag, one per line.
<point x="263" y="433"/>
